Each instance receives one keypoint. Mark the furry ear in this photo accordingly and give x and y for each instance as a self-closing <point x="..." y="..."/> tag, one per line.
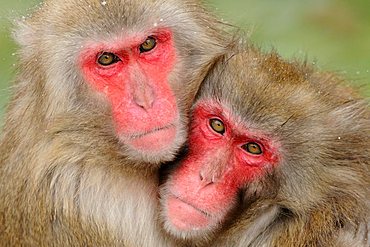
<point x="23" y="33"/>
<point x="26" y="38"/>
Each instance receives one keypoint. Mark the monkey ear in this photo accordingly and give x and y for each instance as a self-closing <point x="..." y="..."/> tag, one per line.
<point x="202" y="2"/>
<point x="23" y="33"/>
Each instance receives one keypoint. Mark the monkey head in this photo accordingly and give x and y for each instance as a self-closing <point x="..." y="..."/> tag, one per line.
<point x="262" y="129"/>
<point x="140" y="62"/>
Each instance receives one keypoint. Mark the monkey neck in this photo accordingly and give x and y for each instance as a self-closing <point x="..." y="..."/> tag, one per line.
<point x="74" y="171"/>
<point x="272" y="223"/>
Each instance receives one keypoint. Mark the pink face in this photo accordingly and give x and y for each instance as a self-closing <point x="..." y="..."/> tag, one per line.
<point x="224" y="155"/>
<point x="133" y="74"/>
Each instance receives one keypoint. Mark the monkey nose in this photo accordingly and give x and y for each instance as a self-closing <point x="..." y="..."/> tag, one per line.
<point x="205" y="181"/>
<point x="144" y="98"/>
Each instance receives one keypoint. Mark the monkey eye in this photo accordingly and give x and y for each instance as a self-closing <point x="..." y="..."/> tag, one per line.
<point x="148" y="44"/>
<point x="217" y="125"/>
<point x="252" y="148"/>
<point x="107" y="58"/>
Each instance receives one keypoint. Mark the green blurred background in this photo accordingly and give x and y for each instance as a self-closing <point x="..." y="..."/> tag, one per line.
<point x="335" y="34"/>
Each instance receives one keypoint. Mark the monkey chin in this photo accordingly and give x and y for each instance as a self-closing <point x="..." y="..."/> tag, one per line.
<point x="157" y="146"/>
<point x="184" y="221"/>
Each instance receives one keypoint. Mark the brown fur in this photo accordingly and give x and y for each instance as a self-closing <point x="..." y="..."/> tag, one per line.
<point x="319" y="193"/>
<point x="65" y="180"/>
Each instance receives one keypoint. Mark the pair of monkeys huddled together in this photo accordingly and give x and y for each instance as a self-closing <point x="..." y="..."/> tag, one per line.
<point x="274" y="153"/>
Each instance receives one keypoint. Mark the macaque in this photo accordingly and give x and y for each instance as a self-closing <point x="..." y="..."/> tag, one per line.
<point x="278" y="155"/>
<point x="101" y="99"/>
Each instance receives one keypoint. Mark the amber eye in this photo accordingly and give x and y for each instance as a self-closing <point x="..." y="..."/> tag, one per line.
<point x="148" y="44"/>
<point x="107" y="58"/>
<point x="252" y="148"/>
<point x="217" y="125"/>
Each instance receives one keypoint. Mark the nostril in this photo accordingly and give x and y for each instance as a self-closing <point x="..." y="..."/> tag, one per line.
<point x="201" y="177"/>
<point x="206" y="180"/>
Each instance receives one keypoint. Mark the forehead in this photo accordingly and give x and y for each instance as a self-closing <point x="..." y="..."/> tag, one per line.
<point x="263" y="93"/>
<point x="108" y="16"/>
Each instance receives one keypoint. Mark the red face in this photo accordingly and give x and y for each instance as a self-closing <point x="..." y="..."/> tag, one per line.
<point x="224" y="155"/>
<point x="133" y="74"/>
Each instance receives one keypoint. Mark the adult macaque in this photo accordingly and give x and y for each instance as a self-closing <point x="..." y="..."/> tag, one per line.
<point x="278" y="156"/>
<point x="101" y="98"/>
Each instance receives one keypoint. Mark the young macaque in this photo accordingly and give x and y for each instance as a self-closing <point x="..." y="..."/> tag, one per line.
<point x="278" y="155"/>
<point x="101" y="99"/>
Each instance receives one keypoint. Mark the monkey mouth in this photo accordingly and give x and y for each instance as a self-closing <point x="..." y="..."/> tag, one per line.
<point x="154" y="140"/>
<point x="140" y="135"/>
<point x="191" y="205"/>
<point x="185" y="216"/>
